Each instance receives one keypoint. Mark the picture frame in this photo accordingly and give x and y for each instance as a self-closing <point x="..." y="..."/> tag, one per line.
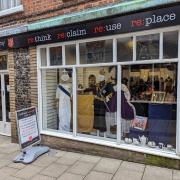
<point x="139" y="122"/>
<point x="158" y="96"/>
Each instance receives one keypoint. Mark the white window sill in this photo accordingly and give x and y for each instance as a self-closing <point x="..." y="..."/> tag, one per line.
<point x="11" y="11"/>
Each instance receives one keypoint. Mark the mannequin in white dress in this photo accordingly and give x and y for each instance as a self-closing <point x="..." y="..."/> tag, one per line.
<point x="63" y="95"/>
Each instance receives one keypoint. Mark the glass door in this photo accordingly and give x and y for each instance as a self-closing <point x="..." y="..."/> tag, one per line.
<point x="5" y="125"/>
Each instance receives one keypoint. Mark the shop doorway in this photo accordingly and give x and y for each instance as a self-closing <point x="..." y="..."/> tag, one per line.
<point x="5" y="124"/>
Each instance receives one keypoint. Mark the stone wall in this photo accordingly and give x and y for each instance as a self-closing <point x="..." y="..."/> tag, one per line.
<point x="22" y="78"/>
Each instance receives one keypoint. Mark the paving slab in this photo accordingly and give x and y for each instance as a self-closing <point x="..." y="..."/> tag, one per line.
<point x="176" y="174"/>
<point x="93" y="175"/>
<point x="17" y="165"/>
<point x="42" y="177"/>
<point x="70" y="176"/>
<point x="82" y="168"/>
<point x="10" y="178"/>
<point x="125" y="174"/>
<point x="90" y="158"/>
<point x="44" y="160"/>
<point x="69" y="158"/>
<point x="54" y="170"/>
<point x="132" y="166"/>
<point x="56" y="153"/>
<point x="157" y="173"/>
<point x="4" y="162"/>
<point x="28" y="172"/>
<point x="107" y="165"/>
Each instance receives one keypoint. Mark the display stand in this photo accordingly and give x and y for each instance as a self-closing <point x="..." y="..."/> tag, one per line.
<point x="31" y="154"/>
<point x="28" y="132"/>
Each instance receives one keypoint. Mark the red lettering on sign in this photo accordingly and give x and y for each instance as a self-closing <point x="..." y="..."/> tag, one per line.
<point x="137" y="23"/>
<point x="30" y="40"/>
<point x="61" y="35"/>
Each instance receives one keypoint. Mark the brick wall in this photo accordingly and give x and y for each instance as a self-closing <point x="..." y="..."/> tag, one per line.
<point x="42" y="9"/>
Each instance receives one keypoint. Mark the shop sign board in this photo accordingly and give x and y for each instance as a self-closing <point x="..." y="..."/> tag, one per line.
<point x="27" y="126"/>
<point x="158" y="18"/>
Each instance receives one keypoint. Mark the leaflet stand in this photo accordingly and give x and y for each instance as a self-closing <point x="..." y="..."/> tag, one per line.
<point x="28" y="133"/>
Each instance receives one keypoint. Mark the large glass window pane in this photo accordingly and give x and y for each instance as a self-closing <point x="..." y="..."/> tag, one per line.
<point x="96" y="101"/>
<point x="43" y="57"/>
<point x="148" y="105"/>
<point x="170" y="44"/>
<point x="147" y="47"/>
<point x="96" y="52"/>
<point x="57" y="100"/>
<point x="125" y="49"/>
<point x="70" y="52"/>
<point x="55" y="55"/>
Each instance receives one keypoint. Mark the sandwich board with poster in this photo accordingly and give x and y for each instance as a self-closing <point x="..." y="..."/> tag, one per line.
<point x="28" y="133"/>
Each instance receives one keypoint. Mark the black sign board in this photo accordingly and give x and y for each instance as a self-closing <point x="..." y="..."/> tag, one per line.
<point x="27" y="127"/>
<point x="124" y="24"/>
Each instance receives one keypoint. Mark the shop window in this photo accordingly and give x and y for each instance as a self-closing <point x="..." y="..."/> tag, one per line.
<point x="43" y="57"/>
<point x="57" y="100"/>
<point x="3" y="62"/>
<point x="55" y="55"/>
<point x="147" y="47"/>
<point x="96" y="52"/>
<point x="170" y="44"/>
<point x="70" y="52"/>
<point x="148" y="105"/>
<point x="96" y="101"/>
<point x="125" y="49"/>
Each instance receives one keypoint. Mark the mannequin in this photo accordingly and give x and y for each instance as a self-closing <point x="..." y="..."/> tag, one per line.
<point x="100" y="104"/>
<point x="63" y="95"/>
<point x="111" y="100"/>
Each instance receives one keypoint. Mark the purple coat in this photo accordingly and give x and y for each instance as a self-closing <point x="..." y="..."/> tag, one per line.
<point x="127" y="111"/>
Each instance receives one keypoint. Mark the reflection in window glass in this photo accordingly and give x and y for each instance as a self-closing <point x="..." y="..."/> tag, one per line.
<point x="170" y="45"/>
<point x="3" y="62"/>
<point x="43" y="57"/>
<point x="55" y="56"/>
<point x="148" y="105"/>
<point x="96" y="52"/>
<point x="125" y="49"/>
<point x="97" y="106"/>
<point x="147" y="47"/>
<point x="70" y="52"/>
<point x="57" y="99"/>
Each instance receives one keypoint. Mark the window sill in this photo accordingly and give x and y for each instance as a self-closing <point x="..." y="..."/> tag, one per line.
<point x="11" y="11"/>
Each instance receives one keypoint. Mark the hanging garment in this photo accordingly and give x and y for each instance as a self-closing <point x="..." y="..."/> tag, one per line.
<point x="63" y="93"/>
<point x="85" y="113"/>
<point x="99" y="115"/>
<point x="111" y="100"/>
<point x="100" y="108"/>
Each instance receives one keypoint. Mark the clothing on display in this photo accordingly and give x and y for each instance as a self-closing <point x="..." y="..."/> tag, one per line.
<point x="127" y="110"/>
<point x="85" y="113"/>
<point x="100" y="107"/>
<point x="111" y="100"/>
<point x="63" y="94"/>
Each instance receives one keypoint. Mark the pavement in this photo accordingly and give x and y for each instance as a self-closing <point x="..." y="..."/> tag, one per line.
<point x="62" y="165"/>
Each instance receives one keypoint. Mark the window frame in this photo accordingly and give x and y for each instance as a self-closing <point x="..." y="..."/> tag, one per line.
<point x="117" y="143"/>
<point x="12" y="10"/>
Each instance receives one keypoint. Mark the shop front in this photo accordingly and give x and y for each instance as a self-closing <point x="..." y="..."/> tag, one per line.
<point x="111" y="82"/>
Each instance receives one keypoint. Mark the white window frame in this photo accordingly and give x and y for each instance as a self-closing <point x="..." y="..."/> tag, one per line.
<point x="104" y="141"/>
<point x="13" y="9"/>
